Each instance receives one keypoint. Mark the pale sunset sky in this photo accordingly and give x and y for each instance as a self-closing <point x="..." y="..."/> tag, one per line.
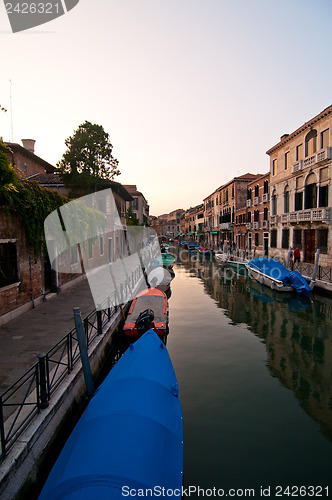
<point x="192" y="92"/>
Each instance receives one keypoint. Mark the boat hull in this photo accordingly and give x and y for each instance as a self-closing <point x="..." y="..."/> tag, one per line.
<point x="130" y="435"/>
<point x="267" y="281"/>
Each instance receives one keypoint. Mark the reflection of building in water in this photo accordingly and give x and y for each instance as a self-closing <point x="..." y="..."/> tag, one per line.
<point x="296" y="331"/>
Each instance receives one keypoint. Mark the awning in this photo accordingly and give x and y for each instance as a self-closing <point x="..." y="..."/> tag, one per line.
<point x="213" y="232"/>
<point x="199" y="234"/>
<point x="190" y="233"/>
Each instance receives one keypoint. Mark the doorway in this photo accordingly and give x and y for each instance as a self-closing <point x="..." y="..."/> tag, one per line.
<point x="309" y="245"/>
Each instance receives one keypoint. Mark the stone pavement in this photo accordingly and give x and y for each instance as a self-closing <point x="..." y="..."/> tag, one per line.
<point x="38" y="330"/>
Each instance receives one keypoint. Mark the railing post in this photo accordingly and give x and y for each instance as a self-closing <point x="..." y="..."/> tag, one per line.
<point x="43" y="400"/>
<point x="99" y="323"/>
<point x="2" y="431"/>
<point x="83" y="351"/>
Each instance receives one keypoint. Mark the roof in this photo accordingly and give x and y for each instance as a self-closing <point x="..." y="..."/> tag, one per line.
<point x="132" y="189"/>
<point x="47" y="179"/>
<point x="287" y="137"/>
<point x="17" y="148"/>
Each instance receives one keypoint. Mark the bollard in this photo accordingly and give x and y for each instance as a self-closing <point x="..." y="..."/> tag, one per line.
<point x="43" y="396"/>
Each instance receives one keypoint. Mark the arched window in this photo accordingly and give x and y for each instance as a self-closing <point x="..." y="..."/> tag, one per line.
<point x="311" y="143"/>
<point x="286" y="200"/>
<point x="311" y="191"/>
<point x="274" y="203"/>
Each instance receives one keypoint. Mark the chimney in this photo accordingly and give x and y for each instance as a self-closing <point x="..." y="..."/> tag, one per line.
<point x="29" y="144"/>
<point x="284" y="136"/>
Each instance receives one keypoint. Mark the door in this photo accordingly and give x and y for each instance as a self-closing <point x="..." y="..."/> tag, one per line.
<point x="266" y="244"/>
<point x="310" y="245"/>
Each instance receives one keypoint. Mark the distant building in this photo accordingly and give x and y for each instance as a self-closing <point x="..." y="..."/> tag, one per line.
<point x="257" y="218"/>
<point x="139" y="204"/>
<point x="300" y="190"/>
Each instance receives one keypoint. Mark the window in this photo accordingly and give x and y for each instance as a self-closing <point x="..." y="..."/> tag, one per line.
<point x="322" y="237"/>
<point x="297" y="238"/>
<point x="274" y="167"/>
<point x="324" y="138"/>
<point x="257" y="190"/>
<point x="256" y="215"/>
<point x="311" y="196"/>
<point x="266" y="212"/>
<point x="90" y="249"/>
<point x="101" y="245"/>
<point x="249" y="194"/>
<point x="233" y="191"/>
<point x="298" y="201"/>
<point x="274" y="203"/>
<point x="286" y="160"/>
<point x="286" y="201"/>
<point x="110" y="250"/>
<point x="311" y="143"/>
<point x="74" y="255"/>
<point x="266" y="187"/>
<point x="248" y="216"/>
<point x="256" y="239"/>
<point x="273" y="238"/>
<point x="323" y="196"/>
<point x="285" y="238"/>
<point x="298" y="152"/>
<point x="134" y="204"/>
<point x="8" y="264"/>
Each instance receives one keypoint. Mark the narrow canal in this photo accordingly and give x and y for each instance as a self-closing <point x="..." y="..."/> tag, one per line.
<point x="255" y="373"/>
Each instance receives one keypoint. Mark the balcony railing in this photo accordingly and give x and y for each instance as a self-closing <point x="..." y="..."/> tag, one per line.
<point x="324" y="154"/>
<point x="284" y="218"/>
<point x="310" y="215"/>
<point x="265" y="197"/>
<point x="256" y="224"/>
<point x="256" y="200"/>
<point x="248" y="225"/>
<point x="273" y="219"/>
<point x="265" y="224"/>
<point x="248" y="203"/>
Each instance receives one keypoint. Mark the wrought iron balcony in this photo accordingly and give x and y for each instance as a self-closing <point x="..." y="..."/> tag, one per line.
<point x="248" y="225"/>
<point x="265" y="224"/>
<point x="265" y="197"/>
<point x="256" y="224"/>
<point x="256" y="200"/>
<point x="248" y="203"/>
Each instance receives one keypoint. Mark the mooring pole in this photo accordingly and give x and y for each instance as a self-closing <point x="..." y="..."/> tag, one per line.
<point x="83" y="351"/>
<point x="316" y="265"/>
<point x="289" y="257"/>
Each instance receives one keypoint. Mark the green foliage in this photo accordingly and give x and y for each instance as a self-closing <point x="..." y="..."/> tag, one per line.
<point x="88" y="161"/>
<point x="131" y="218"/>
<point x="3" y="109"/>
<point x="8" y="177"/>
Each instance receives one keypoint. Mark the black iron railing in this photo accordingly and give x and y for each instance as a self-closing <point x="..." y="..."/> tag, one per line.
<point x="24" y="399"/>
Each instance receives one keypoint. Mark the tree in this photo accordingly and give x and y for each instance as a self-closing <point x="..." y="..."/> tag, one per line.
<point x="3" y="109"/>
<point x="8" y="177"/>
<point x="131" y="218"/>
<point x="88" y="161"/>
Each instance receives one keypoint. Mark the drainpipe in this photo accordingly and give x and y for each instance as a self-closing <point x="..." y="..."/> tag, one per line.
<point x="31" y="286"/>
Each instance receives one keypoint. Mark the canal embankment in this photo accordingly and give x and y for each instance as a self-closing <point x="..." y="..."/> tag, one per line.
<point x="22" y="340"/>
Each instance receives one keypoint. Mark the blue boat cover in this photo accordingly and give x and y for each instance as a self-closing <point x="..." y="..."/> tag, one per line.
<point x="274" y="268"/>
<point x="130" y="436"/>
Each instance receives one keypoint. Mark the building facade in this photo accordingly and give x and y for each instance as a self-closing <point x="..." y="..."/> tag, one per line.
<point x="300" y="191"/>
<point x="257" y="216"/>
<point x="139" y="204"/>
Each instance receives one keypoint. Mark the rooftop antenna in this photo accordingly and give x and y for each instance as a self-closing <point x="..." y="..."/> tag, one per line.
<point x="11" y="109"/>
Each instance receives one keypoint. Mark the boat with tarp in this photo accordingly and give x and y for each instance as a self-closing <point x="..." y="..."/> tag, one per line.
<point x="130" y="436"/>
<point x="272" y="273"/>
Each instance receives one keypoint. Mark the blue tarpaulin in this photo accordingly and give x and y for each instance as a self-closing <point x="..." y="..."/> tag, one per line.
<point x="130" y="435"/>
<point x="274" y="269"/>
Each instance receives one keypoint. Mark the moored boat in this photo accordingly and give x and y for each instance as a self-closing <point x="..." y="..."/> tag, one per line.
<point x="272" y="273"/>
<point x="130" y="436"/>
<point x="151" y="299"/>
<point x="205" y="251"/>
<point x="165" y="260"/>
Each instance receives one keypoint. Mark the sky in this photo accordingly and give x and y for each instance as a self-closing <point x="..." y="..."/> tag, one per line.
<point x="191" y="92"/>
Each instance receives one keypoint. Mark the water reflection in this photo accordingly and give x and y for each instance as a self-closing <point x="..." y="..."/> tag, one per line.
<point x="297" y="332"/>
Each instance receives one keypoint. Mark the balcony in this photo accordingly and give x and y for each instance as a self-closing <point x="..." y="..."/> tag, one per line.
<point x="256" y="200"/>
<point x="315" y="215"/>
<point x="265" y="197"/>
<point x="322" y="155"/>
<point x="284" y="218"/>
<point x="256" y="224"/>
<point x="273" y="220"/>
<point x="265" y="224"/>
<point x="248" y="225"/>
<point x="248" y="203"/>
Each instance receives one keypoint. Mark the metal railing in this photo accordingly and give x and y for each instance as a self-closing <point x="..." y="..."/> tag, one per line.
<point x="24" y="399"/>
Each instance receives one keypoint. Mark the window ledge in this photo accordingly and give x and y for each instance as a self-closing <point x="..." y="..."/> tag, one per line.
<point x="8" y="287"/>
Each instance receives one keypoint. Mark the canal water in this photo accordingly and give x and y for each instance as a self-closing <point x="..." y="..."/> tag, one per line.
<point x="255" y="376"/>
